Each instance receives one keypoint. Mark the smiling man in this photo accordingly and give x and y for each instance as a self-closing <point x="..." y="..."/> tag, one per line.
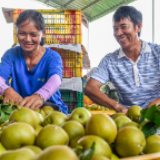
<point x="134" y="68"/>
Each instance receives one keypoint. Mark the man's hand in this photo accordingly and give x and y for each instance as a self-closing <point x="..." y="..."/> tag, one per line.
<point x="156" y="101"/>
<point x="92" y="90"/>
<point x="34" y="101"/>
<point x="11" y="95"/>
<point x="120" y="108"/>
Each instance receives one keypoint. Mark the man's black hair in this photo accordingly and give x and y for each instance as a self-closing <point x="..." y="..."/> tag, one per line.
<point x="128" y="12"/>
<point x="34" y="16"/>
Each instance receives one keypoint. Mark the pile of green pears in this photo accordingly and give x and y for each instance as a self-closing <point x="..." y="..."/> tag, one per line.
<point x="37" y="134"/>
<point x="45" y="134"/>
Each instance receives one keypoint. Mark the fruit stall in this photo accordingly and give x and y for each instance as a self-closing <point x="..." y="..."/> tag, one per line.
<point x="42" y="134"/>
<point x="89" y="131"/>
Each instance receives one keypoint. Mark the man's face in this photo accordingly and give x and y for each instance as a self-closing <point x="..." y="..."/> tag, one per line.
<point x="126" y="33"/>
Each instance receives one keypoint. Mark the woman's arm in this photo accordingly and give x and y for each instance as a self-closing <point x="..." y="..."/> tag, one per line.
<point x="50" y="87"/>
<point x="3" y="85"/>
<point x="43" y="94"/>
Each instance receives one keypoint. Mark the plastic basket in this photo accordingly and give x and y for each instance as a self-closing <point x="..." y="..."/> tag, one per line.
<point x="63" y="39"/>
<point x="55" y="16"/>
<point x="72" y="62"/>
<point x="72" y="99"/>
<point x="62" y="26"/>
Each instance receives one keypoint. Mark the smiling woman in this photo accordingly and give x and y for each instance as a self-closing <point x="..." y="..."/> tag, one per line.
<point x="28" y="64"/>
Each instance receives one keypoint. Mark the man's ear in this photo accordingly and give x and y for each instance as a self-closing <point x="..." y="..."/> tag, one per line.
<point x="138" y="27"/>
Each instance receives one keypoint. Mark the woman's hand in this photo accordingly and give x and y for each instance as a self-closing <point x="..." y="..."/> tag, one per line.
<point x="34" y="101"/>
<point x="11" y="95"/>
<point x="156" y="101"/>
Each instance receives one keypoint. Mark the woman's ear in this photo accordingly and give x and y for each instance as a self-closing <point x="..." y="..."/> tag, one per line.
<point x="44" y="35"/>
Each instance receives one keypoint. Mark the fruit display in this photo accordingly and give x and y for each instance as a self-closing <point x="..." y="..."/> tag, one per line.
<point x="50" y="134"/>
<point x="95" y="108"/>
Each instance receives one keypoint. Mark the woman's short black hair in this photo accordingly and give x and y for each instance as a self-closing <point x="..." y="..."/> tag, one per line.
<point x="128" y="12"/>
<point x="34" y="16"/>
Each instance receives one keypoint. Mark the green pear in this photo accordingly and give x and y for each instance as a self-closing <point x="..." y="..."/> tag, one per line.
<point x="94" y="107"/>
<point x="52" y="135"/>
<point x="130" y="141"/>
<point x="103" y="126"/>
<point x="134" y="112"/>
<point x="99" y="108"/>
<point x="37" y="150"/>
<point x="38" y="129"/>
<point x="39" y="110"/>
<point x="2" y="149"/>
<point x="56" y="118"/>
<point x="25" y="115"/>
<point x="114" y="157"/>
<point x="74" y="142"/>
<point x="18" y="154"/>
<point x="149" y="140"/>
<point x="40" y="118"/>
<point x="152" y="148"/>
<point x="73" y="129"/>
<point x="48" y="109"/>
<point x="0" y="133"/>
<point x="101" y="146"/>
<point x="99" y="157"/>
<point x="17" y="134"/>
<point x="114" y="116"/>
<point x="80" y="115"/>
<point x="121" y="120"/>
<point x="58" y="152"/>
<point x="152" y="138"/>
<point x="133" y="124"/>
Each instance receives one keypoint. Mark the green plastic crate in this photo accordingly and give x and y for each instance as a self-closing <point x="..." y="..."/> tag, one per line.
<point x="72" y="99"/>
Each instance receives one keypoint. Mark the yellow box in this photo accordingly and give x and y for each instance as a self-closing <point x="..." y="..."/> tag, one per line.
<point x="110" y="112"/>
<point x="62" y="26"/>
<point x="72" y="62"/>
<point x="153" y="156"/>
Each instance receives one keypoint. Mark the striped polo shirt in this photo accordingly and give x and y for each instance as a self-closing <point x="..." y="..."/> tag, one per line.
<point x="138" y="83"/>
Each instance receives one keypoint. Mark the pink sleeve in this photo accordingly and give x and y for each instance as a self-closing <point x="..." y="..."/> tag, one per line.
<point x="50" y="87"/>
<point x="3" y="85"/>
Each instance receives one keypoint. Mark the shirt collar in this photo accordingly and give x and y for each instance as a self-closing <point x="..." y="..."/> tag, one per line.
<point x="147" y="49"/>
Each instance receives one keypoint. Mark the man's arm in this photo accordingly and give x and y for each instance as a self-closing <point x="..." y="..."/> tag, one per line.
<point x="92" y="90"/>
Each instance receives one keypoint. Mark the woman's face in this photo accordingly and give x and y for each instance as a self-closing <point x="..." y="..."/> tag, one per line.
<point x="29" y="36"/>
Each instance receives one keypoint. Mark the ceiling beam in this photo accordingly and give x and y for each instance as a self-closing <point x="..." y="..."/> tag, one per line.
<point x="90" y="4"/>
<point x="62" y="6"/>
<point x="107" y="10"/>
<point x="68" y="3"/>
<point x="46" y="1"/>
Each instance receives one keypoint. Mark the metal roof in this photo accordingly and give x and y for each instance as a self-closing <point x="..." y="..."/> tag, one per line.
<point x="92" y="9"/>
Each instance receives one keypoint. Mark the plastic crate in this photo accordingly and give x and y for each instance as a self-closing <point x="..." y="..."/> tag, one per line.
<point x="72" y="62"/>
<point x="55" y="16"/>
<point x="73" y="99"/>
<point x="62" y="39"/>
<point x="62" y="26"/>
